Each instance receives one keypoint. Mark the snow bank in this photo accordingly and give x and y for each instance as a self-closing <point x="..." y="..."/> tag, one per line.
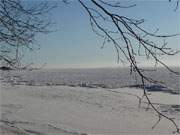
<point x="64" y="110"/>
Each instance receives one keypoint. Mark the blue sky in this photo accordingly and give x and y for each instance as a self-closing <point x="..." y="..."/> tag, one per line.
<point x="74" y="45"/>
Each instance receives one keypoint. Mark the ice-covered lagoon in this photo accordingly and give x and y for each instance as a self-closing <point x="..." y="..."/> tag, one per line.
<point x="89" y="101"/>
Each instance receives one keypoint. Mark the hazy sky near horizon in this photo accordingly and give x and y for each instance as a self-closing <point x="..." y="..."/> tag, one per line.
<point x="74" y="45"/>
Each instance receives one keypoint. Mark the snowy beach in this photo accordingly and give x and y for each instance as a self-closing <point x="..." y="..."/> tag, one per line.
<point x="36" y="105"/>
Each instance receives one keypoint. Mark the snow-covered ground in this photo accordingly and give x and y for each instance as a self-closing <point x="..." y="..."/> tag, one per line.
<point x="38" y="103"/>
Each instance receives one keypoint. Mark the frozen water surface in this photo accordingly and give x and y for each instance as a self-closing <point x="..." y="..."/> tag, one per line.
<point x="102" y="77"/>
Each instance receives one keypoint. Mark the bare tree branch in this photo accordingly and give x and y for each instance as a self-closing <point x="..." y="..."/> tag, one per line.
<point x="20" y="22"/>
<point x="131" y="40"/>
